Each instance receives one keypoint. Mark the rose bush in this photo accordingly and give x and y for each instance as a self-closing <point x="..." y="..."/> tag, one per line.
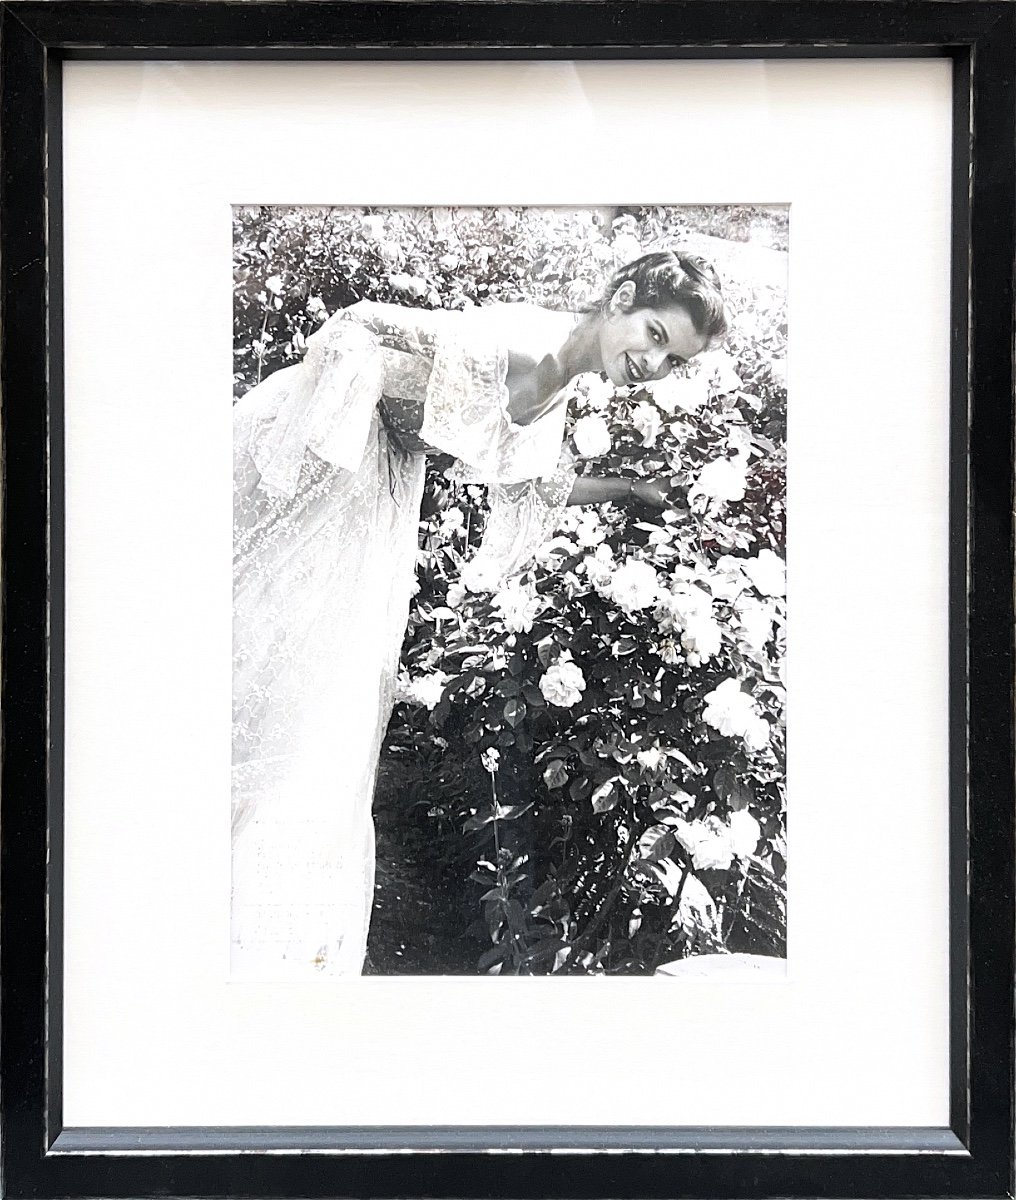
<point x="585" y="771"/>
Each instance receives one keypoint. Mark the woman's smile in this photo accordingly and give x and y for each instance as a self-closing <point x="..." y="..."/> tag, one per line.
<point x="635" y="373"/>
<point x="637" y="345"/>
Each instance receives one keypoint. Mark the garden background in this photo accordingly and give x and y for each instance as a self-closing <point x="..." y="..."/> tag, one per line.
<point x="586" y="769"/>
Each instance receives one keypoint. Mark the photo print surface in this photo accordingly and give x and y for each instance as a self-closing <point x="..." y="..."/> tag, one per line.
<point x="509" y="610"/>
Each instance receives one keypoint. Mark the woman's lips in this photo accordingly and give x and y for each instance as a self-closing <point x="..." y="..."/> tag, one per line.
<point x="632" y="371"/>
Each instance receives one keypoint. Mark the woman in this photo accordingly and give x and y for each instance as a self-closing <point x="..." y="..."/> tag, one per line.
<point x="329" y="463"/>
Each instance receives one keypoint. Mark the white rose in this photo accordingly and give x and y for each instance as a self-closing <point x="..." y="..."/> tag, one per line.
<point x="456" y="594"/>
<point x="562" y="684"/>
<point x="701" y="640"/>
<point x="687" y="602"/>
<point x="391" y="252"/>
<point x="372" y="226"/>
<point x="685" y="392"/>
<point x="491" y="760"/>
<point x="734" y="713"/>
<point x="519" y="607"/>
<point x="411" y="285"/>
<point x="646" y="419"/>
<point x="767" y="572"/>
<point x="453" y="520"/>
<point x="756" y="732"/>
<point x="745" y="832"/>
<point x="427" y="689"/>
<point x="480" y="575"/>
<point x="274" y="284"/>
<point x="668" y="651"/>
<point x="595" y="392"/>
<point x="635" y="586"/>
<point x="599" y="567"/>
<point x="723" y="479"/>
<point x="592" y="437"/>
<point x="727" y="707"/>
<point x="315" y="308"/>
<point x="590" y="532"/>
<point x="708" y="843"/>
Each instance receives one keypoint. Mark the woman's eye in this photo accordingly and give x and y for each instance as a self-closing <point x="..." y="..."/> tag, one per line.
<point x="655" y="333"/>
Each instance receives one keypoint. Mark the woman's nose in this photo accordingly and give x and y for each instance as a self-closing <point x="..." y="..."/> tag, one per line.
<point x="657" y="362"/>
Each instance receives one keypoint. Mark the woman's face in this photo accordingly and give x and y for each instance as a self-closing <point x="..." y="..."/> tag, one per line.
<point x="637" y="344"/>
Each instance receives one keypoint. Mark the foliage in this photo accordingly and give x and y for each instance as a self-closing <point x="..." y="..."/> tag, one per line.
<point x="596" y="748"/>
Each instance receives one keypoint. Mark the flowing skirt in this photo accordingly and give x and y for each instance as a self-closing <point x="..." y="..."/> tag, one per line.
<point x="322" y="583"/>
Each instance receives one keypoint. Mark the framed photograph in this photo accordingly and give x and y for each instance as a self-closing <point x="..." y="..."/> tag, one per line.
<point x="597" y="778"/>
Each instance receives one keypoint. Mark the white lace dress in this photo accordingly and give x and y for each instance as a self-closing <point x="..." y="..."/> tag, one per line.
<point x="326" y="517"/>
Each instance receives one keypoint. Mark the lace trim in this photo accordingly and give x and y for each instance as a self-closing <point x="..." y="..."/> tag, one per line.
<point x="466" y="407"/>
<point x="328" y="409"/>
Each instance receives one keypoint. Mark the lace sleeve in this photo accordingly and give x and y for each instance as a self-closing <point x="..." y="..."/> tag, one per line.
<point x="324" y="405"/>
<point x="466" y="406"/>
<point x="522" y="517"/>
<point x="466" y="402"/>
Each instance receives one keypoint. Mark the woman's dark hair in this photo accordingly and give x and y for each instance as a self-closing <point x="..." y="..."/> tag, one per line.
<point x="673" y="278"/>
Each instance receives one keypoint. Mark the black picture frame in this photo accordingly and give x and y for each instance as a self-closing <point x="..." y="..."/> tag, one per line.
<point x="974" y="1155"/>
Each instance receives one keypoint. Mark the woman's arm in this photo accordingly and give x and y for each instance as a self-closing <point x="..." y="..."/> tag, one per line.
<point x="651" y="493"/>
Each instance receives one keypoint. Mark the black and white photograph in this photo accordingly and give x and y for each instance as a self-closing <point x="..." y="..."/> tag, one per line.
<point x="509" y="591"/>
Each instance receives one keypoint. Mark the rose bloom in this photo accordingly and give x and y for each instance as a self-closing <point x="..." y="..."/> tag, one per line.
<point x="518" y="606"/>
<point x="635" y="585"/>
<point x="595" y="392"/>
<point x="480" y="575"/>
<point x="734" y="714"/>
<point x="701" y="640"/>
<point x="562" y="684"/>
<point x="452" y="521"/>
<point x="599" y="567"/>
<point x="490" y="760"/>
<point x="668" y="651"/>
<point x="589" y="531"/>
<point x="767" y="572"/>
<point x="756" y="732"/>
<point x="426" y="689"/>
<point x="745" y="833"/>
<point x="646" y="419"/>
<point x="686" y="603"/>
<point x="456" y="594"/>
<point x="592" y="437"/>
<point x="723" y="479"/>
<point x="708" y="843"/>
<point x="685" y="392"/>
<point x="316" y="308"/>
